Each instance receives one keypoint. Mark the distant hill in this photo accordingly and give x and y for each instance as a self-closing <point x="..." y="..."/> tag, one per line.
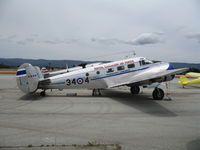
<point x="186" y="65"/>
<point x="15" y="62"/>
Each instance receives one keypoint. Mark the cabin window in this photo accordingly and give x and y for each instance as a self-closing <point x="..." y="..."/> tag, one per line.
<point x="131" y="66"/>
<point x="110" y="70"/>
<point x="98" y="72"/>
<point x="119" y="68"/>
<point x="87" y="74"/>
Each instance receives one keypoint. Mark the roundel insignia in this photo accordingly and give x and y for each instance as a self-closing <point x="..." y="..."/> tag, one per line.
<point x="80" y="80"/>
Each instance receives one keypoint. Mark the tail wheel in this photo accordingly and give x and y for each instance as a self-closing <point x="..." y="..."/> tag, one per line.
<point x="158" y="94"/>
<point x="135" y="90"/>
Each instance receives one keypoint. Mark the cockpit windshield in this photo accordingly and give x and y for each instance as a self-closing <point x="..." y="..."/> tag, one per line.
<point x="148" y="61"/>
<point x="145" y="62"/>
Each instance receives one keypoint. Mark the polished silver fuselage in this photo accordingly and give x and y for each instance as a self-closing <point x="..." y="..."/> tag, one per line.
<point x="107" y="75"/>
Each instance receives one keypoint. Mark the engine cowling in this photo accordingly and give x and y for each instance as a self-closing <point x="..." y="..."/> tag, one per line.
<point x="168" y="78"/>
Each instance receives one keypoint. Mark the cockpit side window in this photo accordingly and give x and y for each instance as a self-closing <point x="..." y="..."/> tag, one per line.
<point x="142" y="62"/>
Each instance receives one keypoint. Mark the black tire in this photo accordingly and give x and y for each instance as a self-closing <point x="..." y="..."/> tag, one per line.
<point x="43" y="93"/>
<point x="93" y="92"/>
<point x="135" y="90"/>
<point x="158" y="94"/>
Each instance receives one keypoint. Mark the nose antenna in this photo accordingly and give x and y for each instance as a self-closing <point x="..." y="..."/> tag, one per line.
<point x="134" y="53"/>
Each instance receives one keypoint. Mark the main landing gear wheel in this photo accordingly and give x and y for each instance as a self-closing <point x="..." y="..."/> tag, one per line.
<point x="96" y="92"/>
<point x="158" y="94"/>
<point x="135" y="90"/>
<point x="43" y="93"/>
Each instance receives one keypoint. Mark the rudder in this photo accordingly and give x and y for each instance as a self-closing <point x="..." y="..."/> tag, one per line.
<point x="28" y="77"/>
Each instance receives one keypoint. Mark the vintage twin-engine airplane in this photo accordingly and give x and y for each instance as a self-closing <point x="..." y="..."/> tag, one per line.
<point x="133" y="72"/>
<point x="192" y="75"/>
<point x="47" y="74"/>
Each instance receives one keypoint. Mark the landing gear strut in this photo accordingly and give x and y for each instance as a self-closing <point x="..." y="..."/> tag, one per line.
<point x="135" y="89"/>
<point x="158" y="94"/>
<point x="43" y="93"/>
<point x="96" y="92"/>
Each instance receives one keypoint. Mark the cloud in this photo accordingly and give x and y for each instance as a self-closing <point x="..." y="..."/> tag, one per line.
<point x="194" y="36"/>
<point x="30" y="39"/>
<point x="142" y="39"/>
<point x="70" y="41"/>
<point x="58" y="41"/>
<point x="25" y="41"/>
<point x="52" y="41"/>
<point x="34" y="35"/>
<point x="21" y="42"/>
<point x="9" y="39"/>
<point x="147" y="38"/>
<point x="35" y="38"/>
<point x="107" y="41"/>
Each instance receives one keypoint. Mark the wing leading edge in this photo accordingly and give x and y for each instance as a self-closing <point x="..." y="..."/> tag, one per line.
<point x="153" y="78"/>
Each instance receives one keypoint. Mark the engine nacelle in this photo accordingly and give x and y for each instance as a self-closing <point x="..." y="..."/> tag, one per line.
<point x="168" y="78"/>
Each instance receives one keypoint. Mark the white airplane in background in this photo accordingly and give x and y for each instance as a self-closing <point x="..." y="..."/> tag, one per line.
<point x="46" y="73"/>
<point x="133" y="72"/>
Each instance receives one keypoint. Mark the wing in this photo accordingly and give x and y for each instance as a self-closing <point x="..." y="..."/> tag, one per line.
<point x="142" y="79"/>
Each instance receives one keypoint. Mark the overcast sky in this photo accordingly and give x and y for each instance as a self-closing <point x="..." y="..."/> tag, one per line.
<point x="81" y="29"/>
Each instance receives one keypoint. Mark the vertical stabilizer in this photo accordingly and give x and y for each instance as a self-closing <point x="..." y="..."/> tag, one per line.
<point x="28" y="77"/>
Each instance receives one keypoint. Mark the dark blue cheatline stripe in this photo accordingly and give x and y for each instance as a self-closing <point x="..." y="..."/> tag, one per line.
<point x="119" y="73"/>
<point x="21" y="72"/>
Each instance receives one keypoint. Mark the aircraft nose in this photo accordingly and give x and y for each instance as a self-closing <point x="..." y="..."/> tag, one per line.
<point x="170" y="67"/>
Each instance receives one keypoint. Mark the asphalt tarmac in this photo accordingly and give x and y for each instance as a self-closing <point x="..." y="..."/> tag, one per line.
<point x="117" y="117"/>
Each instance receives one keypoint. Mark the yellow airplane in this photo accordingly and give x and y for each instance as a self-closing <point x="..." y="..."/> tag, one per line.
<point x="184" y="80"/>
<point x="193" y="75"/>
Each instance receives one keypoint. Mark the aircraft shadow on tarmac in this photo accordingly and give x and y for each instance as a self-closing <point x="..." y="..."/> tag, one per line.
<point x="141" y="102"/>
<point x="194" y="145"/>
<point x="31" y="97"/>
